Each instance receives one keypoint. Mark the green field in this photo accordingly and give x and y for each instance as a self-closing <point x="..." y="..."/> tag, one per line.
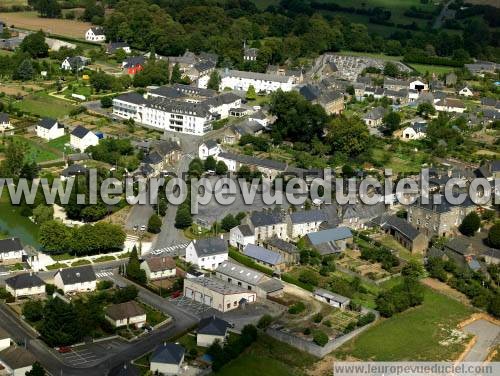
<point x="423" y="68"/>
<point x="37" y="152"/>
<point x="59" y="143"/>
<point x="413" y="335"/>
<point x="269" y="357"/>
<point x="42" y="104"/>
<point x="14" y="224"/>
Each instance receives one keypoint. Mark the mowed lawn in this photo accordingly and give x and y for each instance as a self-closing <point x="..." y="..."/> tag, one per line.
<point x="269" y="357"/>
<point x="59" y="143"/>
<point x="42" y="104"/>
<point x="57" y="26"/>
<point x="37" y="152"/>
<point x="423" y="68"/>
<point x="413" y="335"/>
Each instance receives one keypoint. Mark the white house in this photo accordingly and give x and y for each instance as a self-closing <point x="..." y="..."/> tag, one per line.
<point x="16" y="361"/>
<point x="328" y="297"/>
<point x="450" y="105"/>
<point x="75" y="63"/>
<point x="465" y="92"/>
<point x="81" y="279"/>
<point x="217" y="294"/>
<point x="27" y="284"/>
<point x="418" y="86"/>
<point x="4" y="122"/>
<point x="211" y="329"/>
<point x="415" y="131"/>
<point x="167" y="359"/>
<point x="126" y="314"/>
<point x="207" y="253"/>
<point x="4" y="339"/>
<point x="265" y="225"/>
<point x="95" y="34"/>
<point x="49" y="129"/>
<point x="208" y="148"/>
<point x="159" y="268"/>
<point x="11" y="251"/>
<point x="301" y="223"/>
<point x="240" y="236"/>
<point x="81" y="138"/>
<point x="262" y="82"/>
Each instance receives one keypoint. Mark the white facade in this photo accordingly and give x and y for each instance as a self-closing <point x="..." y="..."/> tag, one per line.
<point x="409" y="133"/>
<point x="448" y="106"/>
<point x="5" y="126"/>
<point x="4" y="343"/>
<point x="418" y="85"/>
<point x="160" y="274"/>
<point x="262" y="82"/>
<point x="205" y="151"/>
<point x="137" y="321"/>
<point x="49" y="134"/>
<point x="90" y="139"/>
<point x="238" y="240"/>
<point x="77" y="287"/>
<point x="166" y="369"/>
<point x="466" y="92"/>
<point x="28" y="291"/>
<point x="279" y="230"/>
<point x="12" y="257"/>
<point x="298" y="230"/>
<point x="92" y="37"/>
<point x="208" y="262"/>
<point x="206" y="340"/>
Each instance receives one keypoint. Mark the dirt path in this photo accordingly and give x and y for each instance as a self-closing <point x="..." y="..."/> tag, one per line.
<point x="446" y="290"/>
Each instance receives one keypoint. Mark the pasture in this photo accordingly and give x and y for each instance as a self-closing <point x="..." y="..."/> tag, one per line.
<point x="56" y="26"/>
<point x="42" y="104"/>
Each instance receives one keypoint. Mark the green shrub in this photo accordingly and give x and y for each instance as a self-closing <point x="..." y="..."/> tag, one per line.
<point x="320" y="338"/>
<point x="317" y="318"/>
<point x="297" y="308"/>
<point x="264" y="321"/>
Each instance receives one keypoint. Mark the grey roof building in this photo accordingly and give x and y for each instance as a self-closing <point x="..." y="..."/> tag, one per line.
<point x="308" y="216"/>
<point x="126" y="369"/>
<point x="71" y="276"/>
<point x="24" y="281"/>
<point x="263" y="218"/>
<point x="168" y="353"/>
<point x="48" y="123"/>
<point x="253" y="161"/>
<point x="330" y="241"/>
<point x="262" y="255"/>
<point x="210" y="246"/>
<point x="10" y="245"/>
<point x="4" y="118"/>
<point x="80" y="132"/>
<point x="213" y="325"/>
<point x="236" y="271"/>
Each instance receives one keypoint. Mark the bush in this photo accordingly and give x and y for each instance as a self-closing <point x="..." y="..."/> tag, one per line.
<point x="33" y="310"/>
<point x="50" y="289"/>
<point x="310" y="277"/>
<point x="297" y="308"/>
<point x="470" y="224"/>
<point x="366" y="319"/>
<point x="350" y="327"/>
<point x="154" y="224"/>
<point x="106" y="102"/>
<point x="320" y="338"/>
<point x="494" y="236"/>
<point x="264" y="321"/>
<point x="104" y="285"/>
<point x="327" y="323"/>
<point x="307" y="331"/>
<point x="317" y="318"/>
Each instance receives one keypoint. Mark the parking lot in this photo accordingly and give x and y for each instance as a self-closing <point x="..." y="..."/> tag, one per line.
<point x="88" y="354"/>
<point x="192" y="306"/>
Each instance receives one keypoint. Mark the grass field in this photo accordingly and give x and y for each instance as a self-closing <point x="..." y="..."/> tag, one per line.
<point x="422" y="333"/>
<point x="423" y="68"/>
<point x="9" y="3"/>
<point x="269" y="357"/>
<point x="42" y="104"/>
<point x="31" y="21"/>
<point x="59" y="143"/>
<point x="37" y="152"/>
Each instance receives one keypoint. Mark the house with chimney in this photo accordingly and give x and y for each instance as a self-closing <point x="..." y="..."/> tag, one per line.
<point x="159" y="268"/>
<point x="207" y="253"/>
<point x="74" y="280"/>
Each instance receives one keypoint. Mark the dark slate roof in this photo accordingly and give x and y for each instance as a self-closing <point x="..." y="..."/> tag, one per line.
<point x="491" y="252"/>
<point x="113" y="46"/>
<point x="308" y="216"/>
<point x="282" y="245"/>
<point x="328" y="294"/>
<point x="97" y="30"/>
<point x="166" y="147"/>
<point x="80" y="132"/>
<point x="262" y="254"/>
<point x="17" y="357"/>
<point x="70" y="276"/>
<point x="458" y="245"/>
<point x="135" y="98"/>
<point x="10" y="245"/>
<point x="271" y="285"/>
<point x="435" y="252"/>
<point x="376" y="113"/>
<point x="210" y="144"/>
<point x="133" y="61"/>
<point x="310" y="92"/>
<point x="4" y="118"/>
<point x="47" y="123"/>
<point x="22" y="281"/>
<point x="204" y="65"/>
<point x="329" y="235"/>
<point x="153" y="158"/>
<point x="248" y="160"/>
<point x="74" y="169"/>
<point x="210" y="246"/>
<point x="245" y="230"/>
<point x="400" y="225"/>
<point x="442" y="207"/>
<point x="126" y="369"/>
<point x="168" y="353"/>
<point x="262" y="218"/>
<point x="213" y="326"/>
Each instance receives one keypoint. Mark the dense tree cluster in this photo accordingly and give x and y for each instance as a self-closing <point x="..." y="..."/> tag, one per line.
<point x="409" y="293"/>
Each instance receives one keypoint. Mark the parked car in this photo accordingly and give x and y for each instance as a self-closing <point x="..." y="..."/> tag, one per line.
<point x="64" y="349"/>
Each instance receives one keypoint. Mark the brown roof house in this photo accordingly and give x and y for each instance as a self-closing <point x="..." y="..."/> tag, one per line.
<point x="124" y="314"/>
<point x="159" y="268"/>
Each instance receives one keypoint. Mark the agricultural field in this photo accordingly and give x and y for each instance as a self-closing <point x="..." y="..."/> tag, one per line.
<point x="37" y="152"/>
<point x="42" y="104"/>
<point x="433" y="336"/>
<point x="423" y="68"/>
<point x="10" y="3"/>
<point x="54" y="26"/>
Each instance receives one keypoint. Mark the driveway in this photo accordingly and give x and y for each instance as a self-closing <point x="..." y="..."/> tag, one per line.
<point x="487" y="335"/>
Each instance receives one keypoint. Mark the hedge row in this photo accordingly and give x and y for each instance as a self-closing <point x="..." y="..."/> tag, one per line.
<point x="242" y="259"/>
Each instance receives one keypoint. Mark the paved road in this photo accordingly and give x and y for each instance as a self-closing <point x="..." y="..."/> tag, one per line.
<point x="51" y="360"/>
<point x="487" y="335"/>
<point x="442" y="15"/>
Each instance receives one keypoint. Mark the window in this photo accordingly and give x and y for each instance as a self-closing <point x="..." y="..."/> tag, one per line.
<point x="228" y="305"/>
<point x="235" y="304"/>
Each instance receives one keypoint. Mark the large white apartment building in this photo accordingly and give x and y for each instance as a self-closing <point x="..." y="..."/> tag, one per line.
<point x="175" y="110"/>
<point x="262" y="82"/>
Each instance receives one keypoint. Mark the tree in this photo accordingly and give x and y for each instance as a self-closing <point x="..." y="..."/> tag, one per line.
<point x="120" y="55"/>
<point x="470" y="224"/>
<point x="183" y="217"/>
<point x="320" y="338"/>
<point x="214" y="81"/>
<point x="413" y="269"/>
<point x="34" y="45"/>
<point x="310" y="277"/>
<point x="60" y="326"/>
<point x="134" y="271"/>
<point x="106" y="102"/>
<point x="348" y="136"/>
<point x="12" y="165"/>
<point x="221" y="168"/>
<point x="25" y="71"/>
<point x="48" y="8"/>
<point x="176" y="76"/>
<point x="228" y="222"/>
<point x="210" y="163"/>
<point x="43" y="213"/>
<point x="426" y="109"/>
<point x="494" y="236"/>
<point x="265" y="321"/>
<point x="33" y="310"/>
<point x="391" y="69"/>
<point x="36" y="370"/>
<point x="55" y="237"/>
<point x="251" y="94"/>
<point x="154" y="224"/>
<point x="392" y="121"/>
